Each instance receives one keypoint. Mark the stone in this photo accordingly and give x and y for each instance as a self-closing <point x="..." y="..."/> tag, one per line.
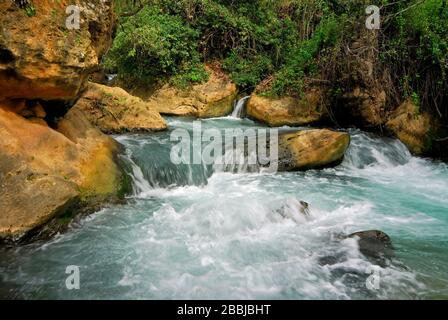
<point x="113" y="110"/>
<point x="53" y="163"/>
<point x="311" y="149"/>
<point x="374" y="243"/>
<point x="214" y="98"/>
<point x="287" y="111"/>
<point x="39" y="111"/>
<point x="411" y="127"/>
<point x="298" y="211"/>
<point x="39" y="121"/>
<point x="41" y="59"/>
<point x="367" y="107"/>
<point x="44" y="173"/>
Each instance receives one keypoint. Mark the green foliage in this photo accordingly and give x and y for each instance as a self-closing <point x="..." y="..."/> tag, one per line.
<point x="30" y="11"/>
<point x="194" y="73"/>
<point x="169" y="39"/>
<point x="300" y="60"/>
<point x="428" y="22"/>
<point x="247" y="72"/>
<point x="152" y="45"/>
<point x="280" y="43"/>
<point x="416" y="51"/>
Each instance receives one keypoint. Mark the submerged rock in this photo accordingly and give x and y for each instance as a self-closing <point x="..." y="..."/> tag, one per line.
<point x="287" y="111"/>
<point x="113" y="110"/>
<point x="208" y="100"/>
<point x="298" y="211"/>
<point x="311" y="149"/>
<point x="374" y="243"/>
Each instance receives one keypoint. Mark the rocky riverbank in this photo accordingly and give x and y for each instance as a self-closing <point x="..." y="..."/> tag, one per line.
<point x="54" y="162"/>
<point x="58" y="161"/>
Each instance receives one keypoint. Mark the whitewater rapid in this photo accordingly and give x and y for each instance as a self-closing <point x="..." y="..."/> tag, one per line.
<point x="194" y="232"/>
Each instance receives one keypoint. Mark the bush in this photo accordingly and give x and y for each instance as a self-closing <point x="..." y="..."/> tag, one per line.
<point x="416" y="50"/>
<point x="285" y="41"/>
<point x="151" y="46"/>
<point x="254" y="39"/>
<point x="300" y="61"/>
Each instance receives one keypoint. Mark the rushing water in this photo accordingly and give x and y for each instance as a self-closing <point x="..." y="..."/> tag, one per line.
<point x="198" y="232"/>
<point x="238" y="110"/>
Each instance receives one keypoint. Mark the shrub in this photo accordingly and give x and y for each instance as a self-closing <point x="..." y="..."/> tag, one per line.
<point x="285" y="41"/>
<point x="152" y="45"/>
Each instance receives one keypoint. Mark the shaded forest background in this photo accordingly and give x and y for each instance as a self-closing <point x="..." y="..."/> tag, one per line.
<point x="281" y="48"/>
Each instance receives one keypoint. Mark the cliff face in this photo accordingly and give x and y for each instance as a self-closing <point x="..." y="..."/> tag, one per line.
<point x="53" y="162"/>
<point x="40" y="58"/>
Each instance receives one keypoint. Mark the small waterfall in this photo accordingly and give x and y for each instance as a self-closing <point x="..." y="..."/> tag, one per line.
<point x="140" y="183"/>
<point x="238" y="111"/>
<point x="110" y="78"/>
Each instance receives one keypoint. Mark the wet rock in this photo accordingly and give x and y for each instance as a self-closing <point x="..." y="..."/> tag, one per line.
<point x="49" y="168"/>
<point x="311" y="149"/>
<point x="287" y="110"/>
<point x="44" y="173"/>
<point x="113" y="110"/>
<point x="295" y="210"/>
<point x="305" y="208"/>
<point x="214" y="98"/>
<point x="329" y="260"/>
<point x="374" y="243"/>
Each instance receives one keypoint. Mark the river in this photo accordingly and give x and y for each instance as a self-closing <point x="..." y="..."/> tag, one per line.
<point x="196" y="232"/>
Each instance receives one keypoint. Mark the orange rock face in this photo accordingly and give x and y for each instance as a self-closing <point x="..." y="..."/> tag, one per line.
<point x="51" y="166"/>
<point x="43" y="172"/>
<point x="312" y="149"/>
<point x="411" y="127"/>
<point x="40" y="58"/>
<point x="113" y="110"/>
<point x="287" y="111"/>
<point x="208" y="100"/>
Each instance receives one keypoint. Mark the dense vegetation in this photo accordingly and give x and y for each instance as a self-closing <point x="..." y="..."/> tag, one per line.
<point x="415" y="49"/>
<point x="282" y="46"/>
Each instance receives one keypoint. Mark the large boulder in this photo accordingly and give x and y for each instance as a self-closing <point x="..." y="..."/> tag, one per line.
<point x="311" y="149"/>
<point x="40" y="58"/>
<point x="113" y="110"/>
<point x="29" y="196"/>
<point x="412" y="127"/>
<point x="44" y="173"/>
<point x="53" y="162"/>
<point x="287" y="110"/>
<point x="214" y="98"/>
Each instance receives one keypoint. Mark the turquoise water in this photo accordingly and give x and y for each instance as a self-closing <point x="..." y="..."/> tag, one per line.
<point x="198" y="232"/>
